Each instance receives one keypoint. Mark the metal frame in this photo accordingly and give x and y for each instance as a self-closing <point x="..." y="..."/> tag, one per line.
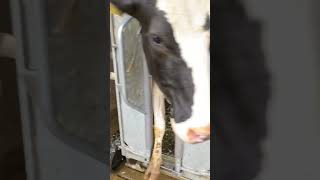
<point x="117" y="47"/>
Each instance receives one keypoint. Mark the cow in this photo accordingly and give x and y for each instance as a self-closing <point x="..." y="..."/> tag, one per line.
<point x="176" y="43"/>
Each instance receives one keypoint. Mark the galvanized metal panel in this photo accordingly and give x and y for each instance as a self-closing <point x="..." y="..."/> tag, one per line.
<point x="196" y="157"/>
<point x="133" y="65"/>
<point x="133" y="129"/>
<point x="133" y="90"/>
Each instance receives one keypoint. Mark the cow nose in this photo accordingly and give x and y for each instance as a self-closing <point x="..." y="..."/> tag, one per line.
<point x="198" y="135"/>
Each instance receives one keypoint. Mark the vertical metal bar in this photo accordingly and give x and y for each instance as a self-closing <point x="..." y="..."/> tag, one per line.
<point x="120" y="56"/>
<point x="178" y="154"/>
<point x="115" y="67"/>
<point x="120" y="81"/>
<point x="148" y="107"/>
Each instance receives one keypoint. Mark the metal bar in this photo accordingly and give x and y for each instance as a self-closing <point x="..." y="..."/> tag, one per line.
<point x="178" y="153"/>
<point x="115" y="68"/>
<point x="198" y="173"/>
<point x="148" y="108"/>
<point x="120" y="56"/>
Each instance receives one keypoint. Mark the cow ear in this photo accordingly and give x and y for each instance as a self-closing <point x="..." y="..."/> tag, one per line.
<point x="127" y="6"/>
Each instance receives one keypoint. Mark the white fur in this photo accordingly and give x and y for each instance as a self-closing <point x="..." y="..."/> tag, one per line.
<point x="187" y="18"/>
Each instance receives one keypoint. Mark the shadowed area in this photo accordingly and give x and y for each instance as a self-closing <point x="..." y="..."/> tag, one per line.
<point x="12" y="165"/>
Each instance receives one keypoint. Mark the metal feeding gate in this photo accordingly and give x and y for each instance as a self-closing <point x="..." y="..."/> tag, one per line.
<point x="133" y="89"/>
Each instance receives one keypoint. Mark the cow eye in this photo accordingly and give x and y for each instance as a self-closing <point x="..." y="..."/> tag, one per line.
<point x="156" y="39"/>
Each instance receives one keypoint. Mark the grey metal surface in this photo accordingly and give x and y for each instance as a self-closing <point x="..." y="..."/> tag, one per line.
<point x="196" y="158"/>
<point x="133" y="64"/>
<point x="133" y="128"/>
<point x="131" y="90"/>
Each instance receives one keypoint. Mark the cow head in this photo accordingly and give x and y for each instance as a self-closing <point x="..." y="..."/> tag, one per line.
<point x="176" y="42"/>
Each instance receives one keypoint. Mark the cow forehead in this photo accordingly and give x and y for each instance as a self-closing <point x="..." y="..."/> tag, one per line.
<point x="185" y="15"/>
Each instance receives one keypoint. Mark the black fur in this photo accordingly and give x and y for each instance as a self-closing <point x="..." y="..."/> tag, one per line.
<point x="241" y="90"/>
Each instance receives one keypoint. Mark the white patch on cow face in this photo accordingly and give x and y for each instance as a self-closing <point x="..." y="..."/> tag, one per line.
<point x="187" y="18"/>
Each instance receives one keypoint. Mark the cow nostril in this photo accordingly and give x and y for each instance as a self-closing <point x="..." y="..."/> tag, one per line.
<point x="196" y="136"/>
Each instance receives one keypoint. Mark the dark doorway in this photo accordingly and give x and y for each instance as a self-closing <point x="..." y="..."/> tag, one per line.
<point x="12" y="166"/>
<point x="12" y="162"/>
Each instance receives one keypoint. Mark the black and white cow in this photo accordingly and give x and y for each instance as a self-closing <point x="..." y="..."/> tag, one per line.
<point x="176" y="42"/>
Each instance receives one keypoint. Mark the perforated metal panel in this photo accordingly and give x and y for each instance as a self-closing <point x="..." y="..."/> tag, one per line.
<point x="132" y="87"/>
